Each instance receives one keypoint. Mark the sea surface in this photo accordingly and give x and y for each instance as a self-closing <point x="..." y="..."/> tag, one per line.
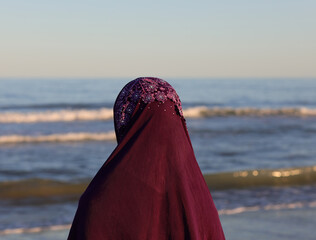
<point x="254" y="139"/>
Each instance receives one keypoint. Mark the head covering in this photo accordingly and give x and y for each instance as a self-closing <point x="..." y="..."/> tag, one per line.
<point x="151" y="186"/>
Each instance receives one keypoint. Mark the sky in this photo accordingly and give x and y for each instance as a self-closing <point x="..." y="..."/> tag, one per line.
<point x="96" y="39"/>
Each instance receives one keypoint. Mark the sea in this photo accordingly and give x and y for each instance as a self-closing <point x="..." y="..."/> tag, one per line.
<point x="254" y="140"/>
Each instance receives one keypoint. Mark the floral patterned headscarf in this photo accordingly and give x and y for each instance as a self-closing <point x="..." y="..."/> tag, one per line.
<point x="142" y="91"/>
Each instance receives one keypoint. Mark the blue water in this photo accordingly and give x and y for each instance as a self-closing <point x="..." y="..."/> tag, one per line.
<point x="224" y="142"/>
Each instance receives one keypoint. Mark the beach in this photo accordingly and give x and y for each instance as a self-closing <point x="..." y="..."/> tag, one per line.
<point x="254" y="141"/>
<point x="285" y="224"/>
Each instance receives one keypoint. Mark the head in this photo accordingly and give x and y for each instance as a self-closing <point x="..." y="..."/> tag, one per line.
<point x="136" y="95"/>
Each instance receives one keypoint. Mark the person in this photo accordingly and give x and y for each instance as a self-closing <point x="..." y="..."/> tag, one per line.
<point x="151" y="186"/>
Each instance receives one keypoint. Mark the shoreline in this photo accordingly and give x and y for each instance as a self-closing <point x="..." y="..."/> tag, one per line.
<point x="281" y="224"/>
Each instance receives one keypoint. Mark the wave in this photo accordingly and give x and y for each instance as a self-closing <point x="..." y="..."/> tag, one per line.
<point x="103" y="114"/>
<point x="281" y="206"/>
<point x="202" y="111"/>
<point x="55" y="106"/>
<point x="34" y="229"/>
<point x="57" y="116"/>
<point x="261" y="177"/>
<point x="63" y="137"/>
<point x="46" y="188"/>
<point x="40" y="188"/>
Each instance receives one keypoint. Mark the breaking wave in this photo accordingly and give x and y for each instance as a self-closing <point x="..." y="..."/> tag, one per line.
<point x="261" y="177"/>
<point x="103" y="114"/>
<point x="64" y="137"/>
<point x="57" y="116"/>
<point x="202" y="111"/>
<point x="35" y="229"/>
<point x="267" y="207"/>
<point x="43" y="188"/>
<point x="54" y="106"/>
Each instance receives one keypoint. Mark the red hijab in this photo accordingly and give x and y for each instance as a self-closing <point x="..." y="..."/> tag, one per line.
<point x="151" y="186"/>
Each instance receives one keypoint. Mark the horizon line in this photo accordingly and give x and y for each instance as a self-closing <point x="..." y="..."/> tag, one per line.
<point x="163" y="77"/>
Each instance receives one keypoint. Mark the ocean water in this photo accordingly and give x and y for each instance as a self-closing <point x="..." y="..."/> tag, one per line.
<point x="254" y="140"/>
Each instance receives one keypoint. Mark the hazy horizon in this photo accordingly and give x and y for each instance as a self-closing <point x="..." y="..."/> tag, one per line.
<point x="178" y="39"/>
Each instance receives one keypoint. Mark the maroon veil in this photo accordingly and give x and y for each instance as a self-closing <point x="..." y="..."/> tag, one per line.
<point x="151" y="186"/>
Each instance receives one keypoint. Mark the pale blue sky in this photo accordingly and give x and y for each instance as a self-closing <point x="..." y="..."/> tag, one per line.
<point x="75" y="38"/>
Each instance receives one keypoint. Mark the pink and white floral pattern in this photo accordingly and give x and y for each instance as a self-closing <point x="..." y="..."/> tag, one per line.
<point x="146" y="90"/>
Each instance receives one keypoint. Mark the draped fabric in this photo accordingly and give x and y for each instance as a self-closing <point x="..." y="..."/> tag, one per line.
<point x="151" y="186"/>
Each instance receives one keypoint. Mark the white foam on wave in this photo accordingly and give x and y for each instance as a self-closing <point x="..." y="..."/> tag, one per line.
<point x="267" y="207"/>
<point x="64" y="137"/>
<point x="103" y="114"/>
<point x="202" y="111"/>
<point x="57" y="116"/>
<point x="34" y="229"/>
